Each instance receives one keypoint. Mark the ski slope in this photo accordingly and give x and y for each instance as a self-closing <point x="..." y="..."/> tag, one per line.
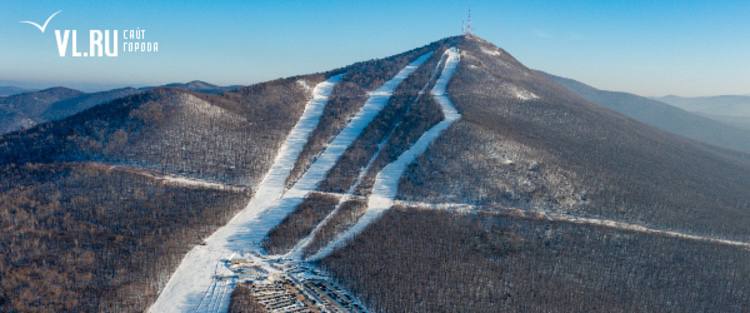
<point x="198" y="285"/>
<point x="386" y="182"/>
<point x="192" y="287"/>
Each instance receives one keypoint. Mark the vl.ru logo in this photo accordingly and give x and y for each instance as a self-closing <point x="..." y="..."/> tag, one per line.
<point x="101" y="42"/>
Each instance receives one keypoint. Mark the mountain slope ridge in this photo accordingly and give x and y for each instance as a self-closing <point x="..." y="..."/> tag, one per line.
<point x="621" y="150"/>
<point x="527" y="143"/>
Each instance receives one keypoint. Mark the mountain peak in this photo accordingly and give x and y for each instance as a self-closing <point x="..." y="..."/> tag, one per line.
<point x="60" y="90"/>
<point x="195" y="85"/>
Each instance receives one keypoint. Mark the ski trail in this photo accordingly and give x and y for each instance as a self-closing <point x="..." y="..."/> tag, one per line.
<point x="318" y="170"/>
<point x="375" y="103"/>
<point x="195" y="274"/>
<point x="208" y="297"/>
<point x="386" y="182"/>
<point x="296" y="251"/>
<point x="223" y="302"/>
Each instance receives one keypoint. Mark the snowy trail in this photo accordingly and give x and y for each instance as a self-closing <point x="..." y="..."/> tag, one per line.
<point x="375" y="103"/>
<point x="188" y="285"/>
<point x="296" y="252"/>
<point x="568" y="218"/>
<point x="386" y="182"/>
<point x="318" y="170"/>
<point x="166" y="179"/>
<point x="642" y="229"/>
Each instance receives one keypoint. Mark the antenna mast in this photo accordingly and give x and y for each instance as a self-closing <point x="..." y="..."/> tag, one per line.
<point x="467" y="24"/>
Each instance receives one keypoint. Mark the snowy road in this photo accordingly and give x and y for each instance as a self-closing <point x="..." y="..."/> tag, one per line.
<point x="173" y="180"/>
<point x="569" y="218"/>
<point x="193" y="285"/>
<point x="386" y="182"/>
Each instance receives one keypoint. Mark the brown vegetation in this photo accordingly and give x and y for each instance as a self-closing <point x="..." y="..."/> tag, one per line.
<point x="346" y="170"/>
<point x="347" y="214"/>
<point x="436" y="261"/>
<point x="82" y="239"/>
<point x="231" y="137"/>
<point x="299" y="223"/>
<point x="243" y="301"/>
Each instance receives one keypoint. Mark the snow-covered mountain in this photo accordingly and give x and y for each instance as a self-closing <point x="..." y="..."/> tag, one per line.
<point x="26" y="109"/>
<point x="448" y="178"/>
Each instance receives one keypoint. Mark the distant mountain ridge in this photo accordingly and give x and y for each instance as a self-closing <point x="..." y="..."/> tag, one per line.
<point x="200" y="86"/>
<point x="662" y="115"/>
<point x="12" y="90"/>
<point x="722" y="105"/>
<point x="729" y="109"/>
<point x="29" y="108"/>
<point x="67" y="107"/>
<point x="24" y="110"/>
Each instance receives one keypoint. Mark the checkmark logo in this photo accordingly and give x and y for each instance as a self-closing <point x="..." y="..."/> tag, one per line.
<point x="42" y="27"/>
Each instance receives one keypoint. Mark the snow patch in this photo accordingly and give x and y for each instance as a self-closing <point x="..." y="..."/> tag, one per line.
<point x="192" y="182"/>
<point x="174" y="180"/>
<point x="304" y="85"/>
<point x="492" y="52"/>
<point x="200" y="107"/>
<point x="520" y="93"/>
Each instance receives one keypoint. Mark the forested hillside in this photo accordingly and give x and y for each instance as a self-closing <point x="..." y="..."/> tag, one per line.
<point x="99" y="208"/>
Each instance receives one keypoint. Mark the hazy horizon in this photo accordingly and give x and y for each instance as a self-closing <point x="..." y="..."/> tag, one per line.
<point x="93" y="87"/>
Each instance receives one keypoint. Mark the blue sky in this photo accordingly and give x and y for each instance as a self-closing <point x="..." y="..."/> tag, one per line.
<point x="647" y="47"/>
